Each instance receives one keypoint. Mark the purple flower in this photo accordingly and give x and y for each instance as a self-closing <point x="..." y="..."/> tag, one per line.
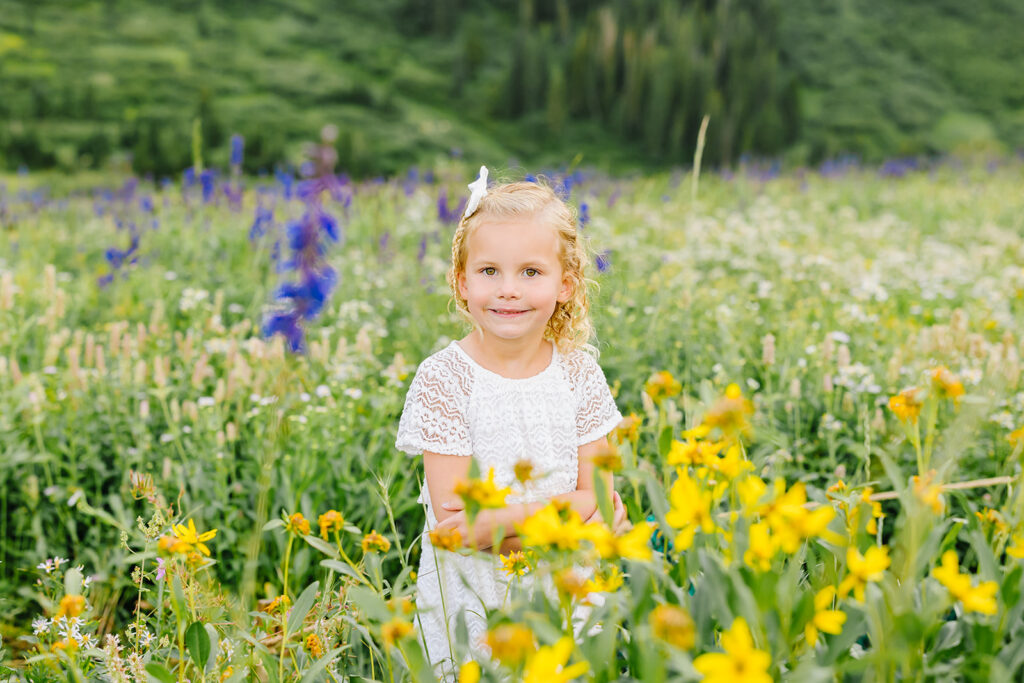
<point x="208" y="180"/>
<point x="161" y="570"/>
<point x="584" y="217"/>
<point x="237" y="150"/>
<point x="603" y="261"/>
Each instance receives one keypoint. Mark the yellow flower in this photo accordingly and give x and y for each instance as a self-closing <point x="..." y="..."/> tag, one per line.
<point x="732" y="464"/>
<point x="524" y="470"/>
<point x="547" y="529"/>
<point x="228" y="672"/>
<point x="691" y="508"/>
<point x="1017" y="548"/>
<point x="395" y="630"/>
<point x="825" y="620"/>
<point x="515" y="563"/>
<point x="980" y="598"/>
<point x="662" y="385"/>
<point x="628" y="429"/>
<point x="730" y="413"/>
<point x="71" y="606"/>
<point x="548" y="664"/>
<point x="405" y="605"/>
<point x="481" y="493"/>
<point x="906" y="404"/>
<point x="608" y="459"/>
<point x="693" y="452"/>
<point x="297" y="524"/>
<point x="928" y="493"/>
<point x="278" y="604"/>
<point x="332" y="520"/>
<point x="189" y="536"/>
<point x="750" y="490"/>
<point x="510" y="643"/>
<point x="869" y="567"/>
<point x="469" y="672"/>
<point x="992" y="518"/>
<point x="673" y="625"/>
<point x="761" y="547"/>
<point x="571" y="584"/>
<point x="374" y="542"/>
<point x="740" y="662"/>
<point x="607" y="583"/>
<point x="446" y="538"/>
<point x="946" y="384"/>
<point x="314" y="646"/>
<point x="635" y="544"/>
<point x="1016" y="436"/>
<point x="173" y="544"/>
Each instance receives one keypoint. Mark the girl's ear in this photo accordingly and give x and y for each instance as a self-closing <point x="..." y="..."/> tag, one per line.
<point x="567" y="290"/>
<point x="461" y="280"/>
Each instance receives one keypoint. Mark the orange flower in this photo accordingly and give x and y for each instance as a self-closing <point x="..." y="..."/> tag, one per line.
<point x="374" y="542"/>
<point x="662" y="385"/>
<point x="906" y="404"/>
<point x="332" y="520"/>
<point x="297" y="524"/>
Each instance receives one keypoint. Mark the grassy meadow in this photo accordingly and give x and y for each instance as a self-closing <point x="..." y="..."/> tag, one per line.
<point x="822" y="463"/>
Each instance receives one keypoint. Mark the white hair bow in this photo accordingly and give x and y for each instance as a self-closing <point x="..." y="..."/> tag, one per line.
<point x="479" y="189"/>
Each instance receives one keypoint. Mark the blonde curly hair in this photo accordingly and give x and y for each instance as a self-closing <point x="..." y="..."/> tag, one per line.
<point x="569" y="327"/>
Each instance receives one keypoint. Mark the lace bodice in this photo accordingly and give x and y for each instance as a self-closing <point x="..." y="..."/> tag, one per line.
<point x="457" y="407"/>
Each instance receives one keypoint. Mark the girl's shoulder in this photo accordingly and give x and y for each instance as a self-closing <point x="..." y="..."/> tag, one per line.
<point x="581" y="364"/>
<point x="447" y="362"/>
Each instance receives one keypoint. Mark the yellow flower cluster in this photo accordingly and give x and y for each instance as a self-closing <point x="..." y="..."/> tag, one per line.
<point x="559" y="527"/>
<point x="863" y="569"/>
<point x="548" y="664"/>
<point x="673" y="625"/>
<point x="741" y="661"/>
<point x="330" y="521"/>
<point x="186" y="539"/>
<point x="825" y="619"/>
<point x="980" y="598"/>
<point x="907" y="404"/>
<point x="297" y="524"/>
<point x="511" y="644"/>
<point x="481" y="493"/>
<point x="662" y="385"/>
<point x="374" y="542"/>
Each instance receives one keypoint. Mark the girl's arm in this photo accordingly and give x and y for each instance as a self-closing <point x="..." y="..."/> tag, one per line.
<point x="583" y="500"/>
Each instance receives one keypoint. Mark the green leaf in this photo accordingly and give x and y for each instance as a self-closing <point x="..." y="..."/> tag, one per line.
<point x="665" y="441"/>
<point x="178" y="598"/>
<point x="197" y="640"/>
<point x="159" y="672"/>
<point x="321" y="664"/>
<point x="369" y="603"/>
<point x="73" y="582"/>
<point x="341" y="568"/>
<point x="301" y="608"/>
<point x="273" y="524"/>
<point x="604" y="499"/>
<point x="321" y="545"/>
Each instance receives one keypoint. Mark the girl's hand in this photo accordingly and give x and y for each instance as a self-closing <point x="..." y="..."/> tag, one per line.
<point x="620" y="522"/>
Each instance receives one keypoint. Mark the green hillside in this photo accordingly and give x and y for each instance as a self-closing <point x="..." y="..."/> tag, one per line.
<point x="623" y="82"/>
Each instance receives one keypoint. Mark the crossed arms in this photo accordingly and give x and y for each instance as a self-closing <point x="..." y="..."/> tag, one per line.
<point x="444" y="471"/>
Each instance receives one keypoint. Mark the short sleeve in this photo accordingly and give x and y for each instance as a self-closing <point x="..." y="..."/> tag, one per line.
<point x="434" y="417"/>
<point x="596" y="412"/>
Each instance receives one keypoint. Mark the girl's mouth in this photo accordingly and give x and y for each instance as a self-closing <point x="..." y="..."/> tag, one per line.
<point x="506" y="312"/>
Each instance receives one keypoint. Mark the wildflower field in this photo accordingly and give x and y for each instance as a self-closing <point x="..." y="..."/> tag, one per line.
<point x="201" y="378"/>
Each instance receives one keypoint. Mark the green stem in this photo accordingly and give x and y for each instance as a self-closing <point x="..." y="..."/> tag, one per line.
<point x="929" y="438"/>
<point x="284" y="611"/>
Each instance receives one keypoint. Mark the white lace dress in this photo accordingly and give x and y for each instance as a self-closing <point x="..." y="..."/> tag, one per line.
<point x="457" y="407"/>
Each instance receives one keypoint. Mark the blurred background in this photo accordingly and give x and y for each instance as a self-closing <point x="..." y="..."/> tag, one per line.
<point x="620" y="84"/>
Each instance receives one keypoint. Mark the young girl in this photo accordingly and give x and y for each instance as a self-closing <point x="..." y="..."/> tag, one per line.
<point x="520" y="388"/>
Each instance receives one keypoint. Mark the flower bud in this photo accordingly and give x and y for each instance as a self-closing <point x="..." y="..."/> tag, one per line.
<point x="768" y="349"/>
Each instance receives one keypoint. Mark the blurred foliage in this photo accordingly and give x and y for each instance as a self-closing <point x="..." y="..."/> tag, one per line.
<point x="624" y="82"/>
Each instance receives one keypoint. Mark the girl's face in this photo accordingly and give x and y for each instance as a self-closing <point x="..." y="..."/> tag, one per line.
<point x="513" y="278"/>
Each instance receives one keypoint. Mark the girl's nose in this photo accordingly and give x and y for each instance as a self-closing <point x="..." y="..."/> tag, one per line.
<point x="508" y="289"/>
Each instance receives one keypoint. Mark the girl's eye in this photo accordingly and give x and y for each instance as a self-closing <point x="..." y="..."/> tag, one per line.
<point x="488" y="271"/>
<point x="531" y="272"/>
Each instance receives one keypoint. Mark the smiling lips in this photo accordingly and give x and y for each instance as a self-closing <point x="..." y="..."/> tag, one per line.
<point x="506" y="312"/>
